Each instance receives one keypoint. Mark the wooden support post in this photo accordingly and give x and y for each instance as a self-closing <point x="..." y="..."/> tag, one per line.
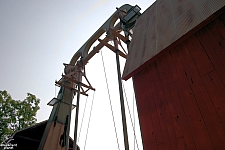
<point x="125" y="135"/>
<point x="76" y="118"/>
<point x="69" y="120"/>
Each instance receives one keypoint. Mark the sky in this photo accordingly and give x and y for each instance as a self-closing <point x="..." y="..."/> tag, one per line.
<point x="37" y="37"/>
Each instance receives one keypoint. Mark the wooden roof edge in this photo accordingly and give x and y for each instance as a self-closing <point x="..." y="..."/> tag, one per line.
<point x="32" y="126"/>
<point x="214" y="16"/>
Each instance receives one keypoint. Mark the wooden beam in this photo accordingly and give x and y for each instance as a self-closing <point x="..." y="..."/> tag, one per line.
<point x="107" y="45"/>
<point x="82" y="84"/>
<point x="95" y="50"/>
<point x="123" y="38"/>
<point x="70" y="88"/>
<point x="112" y="48"/>
<point x="27" y="138"/>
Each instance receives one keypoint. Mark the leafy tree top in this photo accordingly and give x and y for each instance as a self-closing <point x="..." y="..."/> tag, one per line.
<point x="16" y="114"/>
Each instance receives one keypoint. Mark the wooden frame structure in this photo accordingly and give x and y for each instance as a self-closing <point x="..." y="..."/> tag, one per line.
<point x="60" y="116"/>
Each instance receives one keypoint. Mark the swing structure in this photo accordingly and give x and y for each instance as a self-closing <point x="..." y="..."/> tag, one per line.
<point x="72" y="84"/>
<point x="176" y="61"/>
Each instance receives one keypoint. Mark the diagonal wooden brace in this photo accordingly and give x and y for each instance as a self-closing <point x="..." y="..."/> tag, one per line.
<point x="70" y="88"/>
<point x="123" y="38"/>
<point x="112" y="48"/>
<point x="75" y="81"/>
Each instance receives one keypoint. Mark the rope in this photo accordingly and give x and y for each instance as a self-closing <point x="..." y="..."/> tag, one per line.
<point x="134" y="117"/>
<point x="110" y="101"/>
<point x="122" y="47"/>
<point x="82" y="119"/>
<point x="130" y="116"/>
<point x="89" y="120"/>
<point x="55" y="91"/>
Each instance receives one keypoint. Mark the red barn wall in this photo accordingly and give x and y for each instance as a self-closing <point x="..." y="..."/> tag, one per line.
<point x="181" y="95"/>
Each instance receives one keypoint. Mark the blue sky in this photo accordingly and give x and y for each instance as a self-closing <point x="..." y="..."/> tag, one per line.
<point x="37" y="37"/>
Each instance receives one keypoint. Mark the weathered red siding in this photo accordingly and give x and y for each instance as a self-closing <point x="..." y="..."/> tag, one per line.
<point x="181" y="95"/>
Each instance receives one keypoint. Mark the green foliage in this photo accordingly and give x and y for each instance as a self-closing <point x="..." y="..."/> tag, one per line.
<point x="16" y="114"/>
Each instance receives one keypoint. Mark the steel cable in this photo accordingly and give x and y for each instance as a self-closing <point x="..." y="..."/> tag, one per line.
<point x="82" y="119"/>
<point x="130" y="117"/>
<point x="110" y="101"/>
<point x="89" y="121"/>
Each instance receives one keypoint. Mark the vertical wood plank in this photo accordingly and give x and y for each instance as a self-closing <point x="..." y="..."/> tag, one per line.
<point x="182" y="81"/>
<point x="215" y="97"/>
<point x="155" y="110"/>
<point x="220" y="93"/>
<point x="204" y="36"/>
<point x="161" y="104"/>
<point x="194" y="118"/>
<point x="164" y="74"/>
<point x="180" y="84"/>
<point x="221" y="25"/>
<point x="184" y="137"/>
<point x="218" y="42"/>
<point x="52" y="141"/>
<point x="203" y="101"/>
<point x="58" y="138"/>
<point x="144" y="112"/>
<point x="199" y="56"/>
<point x="190" y="103"/>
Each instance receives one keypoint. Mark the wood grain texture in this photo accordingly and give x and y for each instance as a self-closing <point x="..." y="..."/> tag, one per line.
<point x="148" y="125"/>
<point x="52" y="142"/>
<point x="180" y="95"/>
<point x="165" y="23"/>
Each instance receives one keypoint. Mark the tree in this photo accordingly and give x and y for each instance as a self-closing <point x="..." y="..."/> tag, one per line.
<point x="16" y="114"/>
